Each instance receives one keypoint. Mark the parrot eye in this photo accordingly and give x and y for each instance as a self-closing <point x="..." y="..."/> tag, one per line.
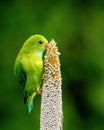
<point x="40" y="42"/>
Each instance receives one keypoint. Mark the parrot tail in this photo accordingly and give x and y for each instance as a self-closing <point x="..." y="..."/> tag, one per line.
<point x="29" y="101"/>
<point x="30" y="106"/>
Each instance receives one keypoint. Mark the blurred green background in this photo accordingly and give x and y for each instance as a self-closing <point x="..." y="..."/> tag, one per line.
<point x="78" y="28"/>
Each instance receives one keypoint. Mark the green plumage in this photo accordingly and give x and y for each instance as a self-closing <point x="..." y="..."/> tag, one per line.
<point x="28" y="67"/>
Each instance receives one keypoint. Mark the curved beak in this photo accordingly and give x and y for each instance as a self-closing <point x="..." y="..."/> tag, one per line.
<point x="47" y="46"/>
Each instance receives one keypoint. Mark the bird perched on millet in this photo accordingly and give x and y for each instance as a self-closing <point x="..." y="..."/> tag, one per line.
<point x="28" y="67"/>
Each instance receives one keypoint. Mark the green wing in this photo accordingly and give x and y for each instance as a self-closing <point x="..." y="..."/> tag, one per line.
<point x="20" y="74"/>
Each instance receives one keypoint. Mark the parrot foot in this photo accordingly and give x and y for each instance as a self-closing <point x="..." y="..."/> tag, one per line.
<point x="40" y="91"/>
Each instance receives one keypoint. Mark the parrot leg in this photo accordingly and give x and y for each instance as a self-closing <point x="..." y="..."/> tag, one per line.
<point x="40" y="91"/>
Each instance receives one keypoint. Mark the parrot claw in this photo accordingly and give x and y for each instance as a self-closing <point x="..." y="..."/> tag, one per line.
<point x="40" y="91"/>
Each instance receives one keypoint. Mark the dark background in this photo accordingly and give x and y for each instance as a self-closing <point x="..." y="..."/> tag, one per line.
<point x="78" y="28"/>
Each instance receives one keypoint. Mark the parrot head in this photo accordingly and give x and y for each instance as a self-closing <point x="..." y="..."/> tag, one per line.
<point x="36" y="43"/>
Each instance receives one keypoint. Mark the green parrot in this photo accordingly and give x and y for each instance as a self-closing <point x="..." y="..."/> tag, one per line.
<point x="28" y="67"/>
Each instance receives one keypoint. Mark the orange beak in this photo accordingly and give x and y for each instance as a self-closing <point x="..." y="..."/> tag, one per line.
<point x="47" y="46"/>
